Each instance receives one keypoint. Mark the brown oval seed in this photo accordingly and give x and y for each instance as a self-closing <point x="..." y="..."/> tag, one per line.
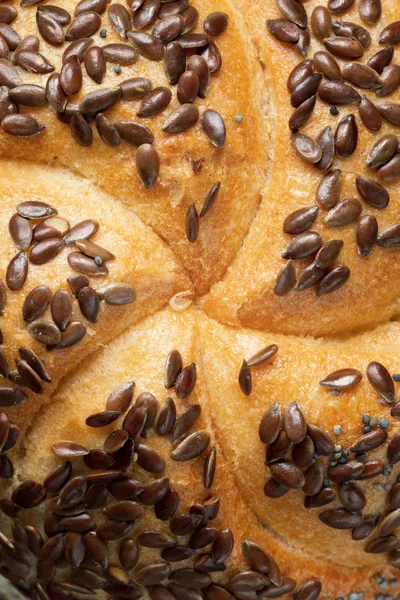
<point x="369" y="114"/>
<point x="287" y="474"/>
<point x="372" y="192"/>
<point x="344" y="47"/>
<point x="366" y="234"/>
<point x="83" y="230"/>
<point x="44" y="332"/>
<point x="20" y="231"/>
<point x="29" y="95"/>
<point x="22" y="125"/>
<point x="263" y="355"/>
<point x="362" y="76"/>
<point x="321" y="22"/>
<point x="95" y="63"/>
<point x="147" y="164"/>
<point x="244" y="378"/>
<point x="214" y="127"/>
<point x="83" y="26"/>
<point x="346" y="137"/>
<point x="50" y="30"/>
<point x="155" y="102"/>
<point x="107" y="131"/>
<point x="390" y="34"/>
<point x="36" y="303"/>
<point x="343" y="213"/>
<point x="300" y="72"/>
<point x="175" y="62"/>
<point x="300" y="220"/>
<point x="333" y="280"/>
<point x="381" y="59"/>
<point x="181" y="119"/>
<point x="191" y="447"/>
<point x="120" y="19"/>
<point x="146" y="13"/>
<point x="283" y="31"/>
<point x="370" y="11"/>
<point x="86" y="265"/>
<point x="148" y="45"/>
<point x="327" y="65"/>
<point x="303" y="245"/>
<point x="45" y="251"/>
<point x="391" y="170"/>
<point x="168" y="29"/>
<point x="328" y="253"/>
<point x="61" y="309"/>
<point x="17" y="271"/>
<point x="382" y="151"/>
<point x="188" y="87"/>
<point x="338" y="93"/>
<point x="135" y="88"/>
<point x="71" y="76"/>
<point x="381" y="380"/>
<point x="294" y="423"/>
<point x="307" y="148"/>
<point x="117" y="293"/>
<point x="216" y="23"/>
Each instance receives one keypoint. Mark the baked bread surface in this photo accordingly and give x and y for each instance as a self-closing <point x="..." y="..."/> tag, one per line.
<point x="223" y="310"/>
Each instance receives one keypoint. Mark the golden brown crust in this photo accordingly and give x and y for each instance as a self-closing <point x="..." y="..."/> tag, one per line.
<point x="293" y="535"/>
<point x="165" y="206"/>
<point x="245" y="296"/>
<point x="238" y="256"/>
<point x="142" y="260"/>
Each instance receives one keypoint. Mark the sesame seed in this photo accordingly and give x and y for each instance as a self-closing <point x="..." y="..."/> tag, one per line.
<point x="239" y="118"/>
<point x="373" y="422"/>
<point x="334" y="111"/>
<point x="337" y="430"/>
<point x="383" y="423"/>
<point x="98" y="261"/>
<point x="361" y="457"/>
<point x="366" y="429"/>
<point x="103" y="33"/>
<point x="396" y="377"/>
<point x="117" y="69"/>
<point x="378" y="486"/>
<point x="366" y="419"/>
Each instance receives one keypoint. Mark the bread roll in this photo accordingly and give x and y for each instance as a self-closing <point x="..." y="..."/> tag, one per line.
<point x="198" y="300"/>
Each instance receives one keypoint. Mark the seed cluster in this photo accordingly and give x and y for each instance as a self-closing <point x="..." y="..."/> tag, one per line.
<point x="92" y="502"/>
<point x="297" y="453"/>
<point x="322" y="78"/>
<point x="41" y="234"/>
<point x="151" y="30"/>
